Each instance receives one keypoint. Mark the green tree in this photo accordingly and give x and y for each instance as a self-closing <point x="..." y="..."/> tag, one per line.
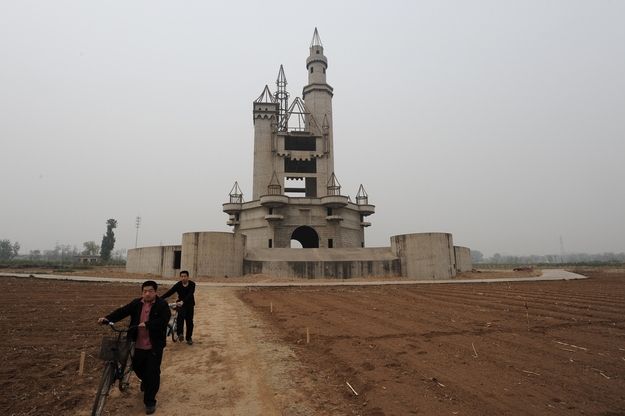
<point x="91" y="248"/>
<point x="8" y="250"/>
<point x="108" y="240"/>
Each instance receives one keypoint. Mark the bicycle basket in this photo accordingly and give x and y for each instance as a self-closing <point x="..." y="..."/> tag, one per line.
<point x="112" y="349"/>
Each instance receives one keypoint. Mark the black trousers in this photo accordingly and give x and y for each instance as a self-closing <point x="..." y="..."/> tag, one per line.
<point x="185" y="315"/>
<point x="147" y="366"/>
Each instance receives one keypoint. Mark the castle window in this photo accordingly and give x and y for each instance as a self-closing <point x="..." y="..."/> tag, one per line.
<point x="330" y="243"/>
<point x="329" y="211"/>
<point x="317" y="51"/>
<point x="324" y="70"/>
<point x="311" y="69"/>
<point x="270" y="243"/>
<point x="300" y="166"/>
<point x="300" y="143"/>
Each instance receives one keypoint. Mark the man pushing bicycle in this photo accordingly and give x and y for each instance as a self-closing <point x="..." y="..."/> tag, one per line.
<point x="150" y="314"/>
<point x="185" y="290"/>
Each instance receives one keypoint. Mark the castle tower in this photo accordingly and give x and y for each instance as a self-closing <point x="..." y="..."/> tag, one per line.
<point x="317" y="96"/>
<point x="296" y="194"/>
<point x="265" y="116"/>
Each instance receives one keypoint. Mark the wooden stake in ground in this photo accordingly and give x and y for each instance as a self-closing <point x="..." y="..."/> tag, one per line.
<point x="527" y="315"/>
<point x="81" y="367"/>
<point x="307" y="336"/>
<point x="271" y="307"/>
<point x="350" y="386"/>
<point x="474" y="350"/>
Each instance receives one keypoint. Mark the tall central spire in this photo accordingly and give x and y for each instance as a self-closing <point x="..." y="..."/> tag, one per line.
<point x="316" y="40"/>
<point x="282" y="97"/>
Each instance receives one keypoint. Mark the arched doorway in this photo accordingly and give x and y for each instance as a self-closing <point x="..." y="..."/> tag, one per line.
<point x="306" y="236"/>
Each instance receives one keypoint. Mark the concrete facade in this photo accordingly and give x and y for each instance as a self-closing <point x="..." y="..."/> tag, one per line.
<point x="158" y="260"/>
<point x="425" y="255"/>
<point x="213" y="253"/>
<point x="296" y="196"/>
<point x="463" y="259"/>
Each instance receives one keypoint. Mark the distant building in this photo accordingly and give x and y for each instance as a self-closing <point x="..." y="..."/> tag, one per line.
<point x="87" y="259"/>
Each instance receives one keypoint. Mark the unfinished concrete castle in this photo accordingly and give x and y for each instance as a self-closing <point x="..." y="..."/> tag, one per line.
<point x="296" y="196"/>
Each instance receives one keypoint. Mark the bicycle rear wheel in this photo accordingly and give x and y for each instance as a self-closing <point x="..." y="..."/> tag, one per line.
<point x="172" y="330"/>
<point x="108" y="377"/>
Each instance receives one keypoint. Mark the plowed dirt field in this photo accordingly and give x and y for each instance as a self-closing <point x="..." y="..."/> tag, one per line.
<point x="540" y="348"/>
<point x="548" y="348"/>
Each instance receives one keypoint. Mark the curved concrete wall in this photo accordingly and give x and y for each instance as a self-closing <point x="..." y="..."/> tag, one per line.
<point x="157" y="260"/>
<point x="425" y="255"/>
<point x="213" y="254"/>
<point x="463" y="259"/>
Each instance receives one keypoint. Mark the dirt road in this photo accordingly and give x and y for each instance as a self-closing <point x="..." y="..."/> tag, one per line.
<point x="234" y="367"/>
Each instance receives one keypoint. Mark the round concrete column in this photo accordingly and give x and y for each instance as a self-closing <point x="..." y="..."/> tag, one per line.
<point x="213" y="254"/>
<point x="425" y="255"/>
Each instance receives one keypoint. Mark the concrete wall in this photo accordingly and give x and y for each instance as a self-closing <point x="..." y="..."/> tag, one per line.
<point x="425" y="255"/>
<point x="339" y="263"/>
<point x="213" y="254"/>
<point x="463" y="259"/>
<point x="157" y="260"/>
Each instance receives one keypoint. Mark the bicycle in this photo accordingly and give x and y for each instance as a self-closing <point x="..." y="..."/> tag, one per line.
<point x="115" y="352"/>
<point x="172" y="326"/>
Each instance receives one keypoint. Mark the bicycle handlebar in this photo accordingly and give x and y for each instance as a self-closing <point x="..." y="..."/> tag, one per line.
<point x="112" y="326"/>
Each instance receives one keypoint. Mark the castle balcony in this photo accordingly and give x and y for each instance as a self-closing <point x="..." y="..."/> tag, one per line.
<point x="334" y="218"/>
<point x="366" y="209"/>
<point x="274" y="217"/>
<point x="334" y="201"/>
<point x="365" y="224"/>
<point x="274" y="201"/>
<point x="231" y="208"/>
<point x="233" y="222"/>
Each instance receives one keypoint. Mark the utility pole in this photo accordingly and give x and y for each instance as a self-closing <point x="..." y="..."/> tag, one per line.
<point x="138" y="223"/>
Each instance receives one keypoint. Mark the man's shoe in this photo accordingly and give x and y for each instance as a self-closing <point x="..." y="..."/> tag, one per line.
<point x="150" y="409"/>
<point x="180" y="338"/>
<point x="190" y="341"/>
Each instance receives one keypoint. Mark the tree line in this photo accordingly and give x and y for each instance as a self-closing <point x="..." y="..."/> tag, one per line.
<point x="566" y="258"/>
<point x="66" y="253"/>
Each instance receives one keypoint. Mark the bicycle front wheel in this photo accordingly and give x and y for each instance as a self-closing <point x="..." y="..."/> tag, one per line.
<point x="108" y="377"/>
<point x="174" y="333"/>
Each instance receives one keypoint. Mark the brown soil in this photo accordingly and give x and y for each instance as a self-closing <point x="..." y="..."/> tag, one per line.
<point x="480" y="349"/>
<point x="426" y="350"/>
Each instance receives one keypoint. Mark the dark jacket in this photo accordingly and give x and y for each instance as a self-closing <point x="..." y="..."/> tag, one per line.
<point x="185" y="294"/>
<point x="156" y="324"/>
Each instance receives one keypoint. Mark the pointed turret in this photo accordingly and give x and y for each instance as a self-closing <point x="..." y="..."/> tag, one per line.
<point x="316" y="40"/>
<point x="334" y="187"/>
<point x="265" y="96"/>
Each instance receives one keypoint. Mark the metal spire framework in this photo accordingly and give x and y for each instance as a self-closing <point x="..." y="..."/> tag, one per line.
<point x="334" y="187"/>
<point x="265" y="96"/>
<point x="236" y="195"/>
<point x="282" y="98"/>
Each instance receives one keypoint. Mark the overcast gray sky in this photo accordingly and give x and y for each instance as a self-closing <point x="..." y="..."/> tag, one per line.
<point x="501" y="122"/>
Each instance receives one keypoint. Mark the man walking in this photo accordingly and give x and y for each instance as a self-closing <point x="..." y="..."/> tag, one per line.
<point x="149" y="316"/>
<point x="185" y="290"/>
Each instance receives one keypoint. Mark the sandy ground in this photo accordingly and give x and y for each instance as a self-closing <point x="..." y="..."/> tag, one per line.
<point x="474" y="349"/>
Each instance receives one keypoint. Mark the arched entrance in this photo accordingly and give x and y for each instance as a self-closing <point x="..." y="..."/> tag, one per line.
<point x="306" y="236"/>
